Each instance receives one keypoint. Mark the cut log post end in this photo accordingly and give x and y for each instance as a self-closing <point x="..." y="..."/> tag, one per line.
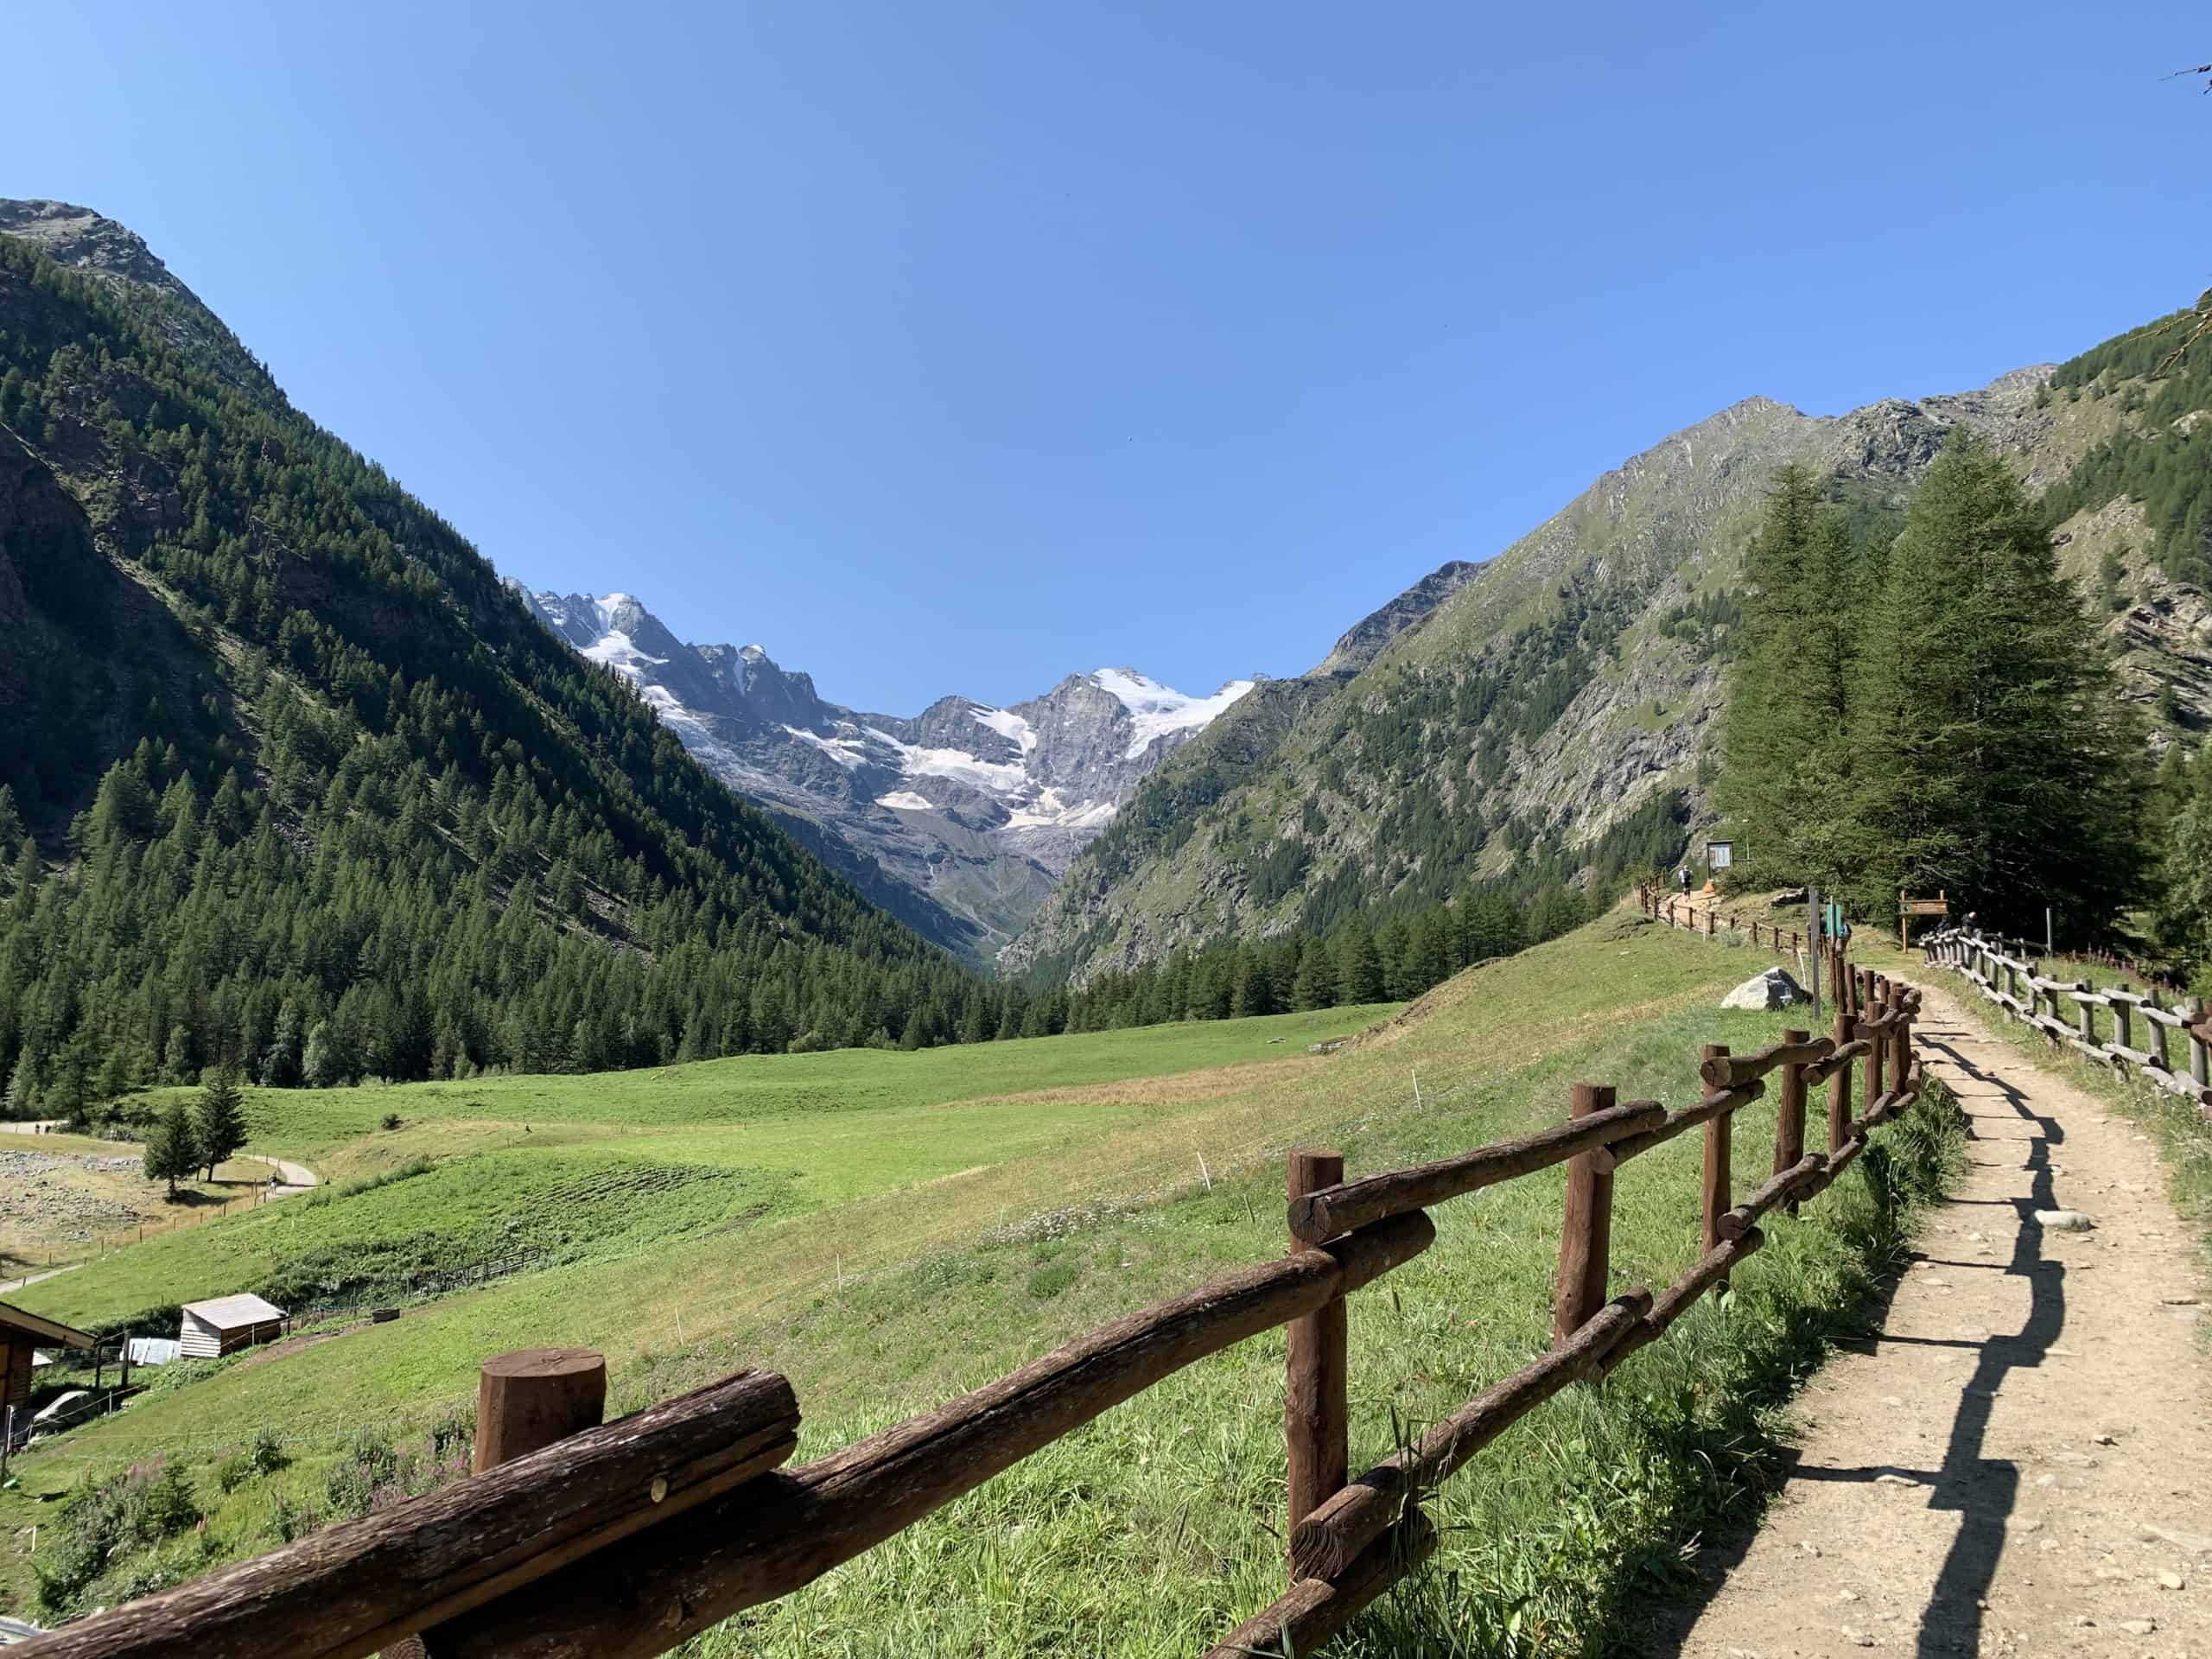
<point x="533" y="1397"/>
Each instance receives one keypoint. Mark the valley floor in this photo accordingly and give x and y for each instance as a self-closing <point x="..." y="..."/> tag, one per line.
<point x="930" y="1221"/>
<point x="2020" y="1460"/>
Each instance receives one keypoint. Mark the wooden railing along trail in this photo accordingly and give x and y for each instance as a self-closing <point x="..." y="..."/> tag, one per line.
<point x="627" y="1538"/>
<point x="1701" y="914"/>
<point x="2016" y="983"/>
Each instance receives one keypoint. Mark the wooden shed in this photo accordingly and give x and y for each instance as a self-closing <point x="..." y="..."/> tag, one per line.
<point x="227" y="1325"/>
<point x="21" y="1333"/>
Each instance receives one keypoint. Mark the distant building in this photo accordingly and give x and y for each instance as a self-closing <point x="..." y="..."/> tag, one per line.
<point x="227" y="1324"/>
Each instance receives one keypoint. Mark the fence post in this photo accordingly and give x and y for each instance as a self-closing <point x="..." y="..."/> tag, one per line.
<point x="2088" y="1015"/>
<point x="2200" y="1063"/>
<point x="1839" y="1088"/>
<point x="531" y="1398"/>
<point x="1718" y="1149"/>
<point x="1789" y="1126"/>
<point x="1586" y="1233"/>
<point x="1316" y="1410"/>
<point x="2123" y="1028"/>
<point x="1900" y="1036"/>
<point x="525" y="1401"/>
<point x="1708" y="921"/>
<point x="2157" y="1033"/>
<point x="1877" y="1042"/>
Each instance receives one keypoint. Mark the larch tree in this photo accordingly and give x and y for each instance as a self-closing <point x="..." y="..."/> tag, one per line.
<point x="1783" y="740"/>
<point x="219" y="1125"/>
<point x="172" y="1149"/>
<point x="1991" y="759"/>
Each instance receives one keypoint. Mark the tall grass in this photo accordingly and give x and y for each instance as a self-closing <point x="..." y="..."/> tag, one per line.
<point x="1158" y="1528"/>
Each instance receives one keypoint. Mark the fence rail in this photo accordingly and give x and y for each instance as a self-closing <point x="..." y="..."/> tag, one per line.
<point x="2016" y="983"/>
<point x="1848" y="985"/>
<point x="564" y="1551"/>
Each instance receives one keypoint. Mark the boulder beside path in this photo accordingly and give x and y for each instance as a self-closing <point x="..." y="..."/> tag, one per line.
<point x="1772" y="989"/>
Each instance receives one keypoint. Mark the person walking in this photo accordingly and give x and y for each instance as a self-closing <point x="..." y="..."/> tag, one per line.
<point x="1683" y="876"/>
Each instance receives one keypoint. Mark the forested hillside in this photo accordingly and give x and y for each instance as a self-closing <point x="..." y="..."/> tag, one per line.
<point x="292" y="781"/>
<point x="1557" y="720"/>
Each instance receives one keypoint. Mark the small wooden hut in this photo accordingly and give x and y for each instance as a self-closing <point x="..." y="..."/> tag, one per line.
<point x="23" y="1333"/>
<point x="227" y="1324"/>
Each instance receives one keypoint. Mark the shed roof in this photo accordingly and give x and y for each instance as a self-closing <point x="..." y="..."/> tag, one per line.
<point x="229" y="1313"/>
<point x="30" y="1324"/>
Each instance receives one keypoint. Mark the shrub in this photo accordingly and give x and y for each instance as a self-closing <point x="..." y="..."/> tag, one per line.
<point x="268" y="1456"/>
<point x="294" y="1520"/>
<point x="1051" y="1278"/>
<point x="166" y="1507"/>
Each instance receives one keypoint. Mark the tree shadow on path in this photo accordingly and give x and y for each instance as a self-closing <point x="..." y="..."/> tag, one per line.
<point x="1981" y="1489"/>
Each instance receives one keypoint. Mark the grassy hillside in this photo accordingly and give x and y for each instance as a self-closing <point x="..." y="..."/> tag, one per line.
<point x="890" y="1295"/>
<point x="66" y="1197"/>
<point x="540" y="1171"/>
<point x="1558" y="716"/>
<point x="330" y="803"/>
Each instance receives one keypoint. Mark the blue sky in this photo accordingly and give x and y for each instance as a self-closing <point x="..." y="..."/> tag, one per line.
<point x="956" y="347"/>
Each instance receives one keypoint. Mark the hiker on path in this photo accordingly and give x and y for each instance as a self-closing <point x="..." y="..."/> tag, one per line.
<point x="1683" y="876"/>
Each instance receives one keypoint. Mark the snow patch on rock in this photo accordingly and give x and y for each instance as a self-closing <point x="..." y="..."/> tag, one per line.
<point x="1155" y="710"/>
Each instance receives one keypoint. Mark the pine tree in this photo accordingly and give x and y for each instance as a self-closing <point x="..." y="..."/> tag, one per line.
<point x="1428" y="950"/>
<point x="218" y="1126"/>
<point x="1359" y="970"/>
<point x="2185" y="845"/>
<point x="172" y="1149"/>
<point x="319" y="1065"/>
<point x="1789" y="699"/>
<point x="1991" y="759"/>
<point x="1254" y="991"/>
<point x="1316" y="984"/>
<point x="21" y="1101"/>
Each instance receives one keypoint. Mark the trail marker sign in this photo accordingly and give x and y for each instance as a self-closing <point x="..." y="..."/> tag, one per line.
<point x="1939" y="906"/>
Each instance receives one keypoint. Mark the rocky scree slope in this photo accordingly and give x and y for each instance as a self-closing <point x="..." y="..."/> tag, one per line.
<point x="958" y="819"/>
<point x="1557" y="716"/>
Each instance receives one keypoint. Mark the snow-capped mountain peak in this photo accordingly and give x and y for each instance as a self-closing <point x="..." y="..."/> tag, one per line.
<point x="1157" y="710"/>
<point x="974" y="810"/>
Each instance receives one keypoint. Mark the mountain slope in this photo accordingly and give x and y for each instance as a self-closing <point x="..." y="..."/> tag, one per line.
<point x="958" y="820"/>
<point x="334" y="802"/>
<point x="1553" y="718"/>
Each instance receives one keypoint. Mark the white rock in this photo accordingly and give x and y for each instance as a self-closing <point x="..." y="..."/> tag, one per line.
<point x="2139" y="1626"/>
<point x="1772" y="989"/>
<point x="2173" y="1581"/>
<point x="2063" y="1221"/>
<point x="2193" y="1543"/>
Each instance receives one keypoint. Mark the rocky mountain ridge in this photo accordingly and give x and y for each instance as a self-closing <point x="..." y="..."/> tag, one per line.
<point x="1557" y="717"/>
<point x="959" y="818"/>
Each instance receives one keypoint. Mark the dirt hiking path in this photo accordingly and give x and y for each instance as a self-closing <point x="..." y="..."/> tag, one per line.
<point x="2021" y="1463"/>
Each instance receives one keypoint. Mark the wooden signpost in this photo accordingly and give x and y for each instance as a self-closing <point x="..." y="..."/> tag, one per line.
<point x="1939" y="906"/>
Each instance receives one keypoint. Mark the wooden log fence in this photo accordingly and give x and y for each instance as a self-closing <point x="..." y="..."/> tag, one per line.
<point x="1705" y="917"/>
<point x="2067" y="1013"/>
<point x="629" y="1538"/>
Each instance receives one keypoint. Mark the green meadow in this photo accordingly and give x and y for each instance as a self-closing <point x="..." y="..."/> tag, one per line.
<point x="909" y="1226"/>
